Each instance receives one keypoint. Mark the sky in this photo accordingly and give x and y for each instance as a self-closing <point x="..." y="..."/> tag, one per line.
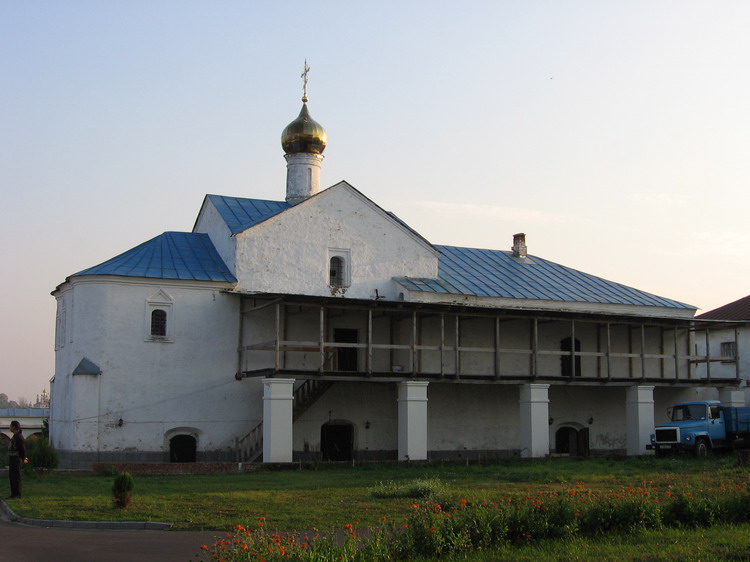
<point x="614" y="134"/>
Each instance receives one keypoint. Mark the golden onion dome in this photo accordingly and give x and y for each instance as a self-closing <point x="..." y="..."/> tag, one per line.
<point x="304" y="135"/>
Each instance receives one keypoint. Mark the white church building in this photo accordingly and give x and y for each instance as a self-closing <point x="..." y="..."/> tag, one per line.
<point x="322" y="326"/>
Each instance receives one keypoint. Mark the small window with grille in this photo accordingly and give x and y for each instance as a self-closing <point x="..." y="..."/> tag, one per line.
<point x="728" y="351"/>
<point x="159" y="323"/>
<point x="339" y="269"/>
<point x="336" y="273"/>
<point x="159" y="318"/>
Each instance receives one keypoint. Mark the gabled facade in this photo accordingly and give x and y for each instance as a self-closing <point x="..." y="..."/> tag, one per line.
<point x="324" y="327"/>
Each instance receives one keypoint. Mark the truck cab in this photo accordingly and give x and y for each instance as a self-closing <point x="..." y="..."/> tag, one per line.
<point x="694" y="427"/>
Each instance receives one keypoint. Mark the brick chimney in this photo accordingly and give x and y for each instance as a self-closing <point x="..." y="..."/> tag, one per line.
<point x="519" y="245"/>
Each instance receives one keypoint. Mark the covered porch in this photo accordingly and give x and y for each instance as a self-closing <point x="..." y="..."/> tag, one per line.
<point x="300" y="346"/>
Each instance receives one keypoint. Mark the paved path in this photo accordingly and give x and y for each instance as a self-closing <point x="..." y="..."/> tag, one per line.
<point x="32" y="543"/>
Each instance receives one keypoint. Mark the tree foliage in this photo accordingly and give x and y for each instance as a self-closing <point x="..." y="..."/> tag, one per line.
<point x="6" y="402"/>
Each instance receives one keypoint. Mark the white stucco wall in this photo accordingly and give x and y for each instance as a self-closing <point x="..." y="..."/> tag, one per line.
<point x="209" y="221"/>
<point x="357" y="403"/>
<point x="157" y="388"/>
<point x="290" y="253"/>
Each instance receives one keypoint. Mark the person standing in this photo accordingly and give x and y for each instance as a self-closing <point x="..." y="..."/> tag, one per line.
<point x="16" y="459"/>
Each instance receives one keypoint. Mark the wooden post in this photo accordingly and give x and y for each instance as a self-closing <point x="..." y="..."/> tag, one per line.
<point x="737" y="370"/>
<point x="497" y="347"/>
<point x="573" y="349"/>
<point x="458" y="346"/>
<point x="534" y="347"/>
<point x="277" y="351"/>
<point x="442" y="345"/>
<point x="369" y="342"/>
<point x="322" y="340"/>
<point x="414" y="344"/>
<point x="609" y="351"/>
<point x="643" y="351"/>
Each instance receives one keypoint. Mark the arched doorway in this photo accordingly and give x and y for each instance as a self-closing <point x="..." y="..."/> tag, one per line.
<point x="182" y="448"/>
<point x="337" y="441"/>
<point x="572" y="441"/>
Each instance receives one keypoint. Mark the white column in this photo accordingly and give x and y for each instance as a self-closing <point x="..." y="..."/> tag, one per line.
<point x="534" y="408"/>
<point x="412" y="421"/>
<point x="278" y="396"/>
<point x="639" y="418"/>
<point x="732" y="397"/>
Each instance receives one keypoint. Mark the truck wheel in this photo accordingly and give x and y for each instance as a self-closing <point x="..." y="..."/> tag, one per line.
<point x="702" y="448"/>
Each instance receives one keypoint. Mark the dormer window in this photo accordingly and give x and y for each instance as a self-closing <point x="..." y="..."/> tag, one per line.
<point x="339" y="267"/>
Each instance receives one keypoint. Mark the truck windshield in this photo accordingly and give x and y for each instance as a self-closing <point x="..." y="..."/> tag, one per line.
<point x="689" y="412"/>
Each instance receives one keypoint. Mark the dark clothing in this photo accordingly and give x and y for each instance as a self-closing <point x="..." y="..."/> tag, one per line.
<point x="16" y="454"/>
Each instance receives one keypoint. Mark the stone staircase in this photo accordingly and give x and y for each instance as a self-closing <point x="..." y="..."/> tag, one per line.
<point x="250" y="447"/>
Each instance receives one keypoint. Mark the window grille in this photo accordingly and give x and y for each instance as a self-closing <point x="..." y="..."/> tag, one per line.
<point x="158" y="323"/>
<point x="728" y="350"/>
<point x="337" y="272"/>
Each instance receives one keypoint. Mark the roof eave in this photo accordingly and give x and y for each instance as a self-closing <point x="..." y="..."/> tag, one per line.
<point x="609" y="309"/>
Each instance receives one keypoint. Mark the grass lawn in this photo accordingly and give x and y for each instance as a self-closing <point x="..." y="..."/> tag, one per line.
<point x="722" y="542"/>
<point x="330" y="496"/>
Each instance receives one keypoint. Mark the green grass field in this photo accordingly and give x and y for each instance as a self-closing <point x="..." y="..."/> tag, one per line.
<point x="330" y="496"/>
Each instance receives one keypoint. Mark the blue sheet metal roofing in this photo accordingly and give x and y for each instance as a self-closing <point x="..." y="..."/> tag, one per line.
<point x="172" y="255"/>
<point x="494" y="273"/>
<point x="240" y="213"/>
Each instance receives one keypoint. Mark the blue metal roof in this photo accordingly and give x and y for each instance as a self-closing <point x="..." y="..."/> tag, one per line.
<point x="240" y="213"/>
<point x="494" y="273"/>
<point x="172" y="255"/>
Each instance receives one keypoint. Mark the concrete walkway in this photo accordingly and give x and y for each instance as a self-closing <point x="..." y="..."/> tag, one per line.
<point x="62" y="541"/>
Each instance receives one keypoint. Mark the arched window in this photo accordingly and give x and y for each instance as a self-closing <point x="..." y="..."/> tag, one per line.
<point x="336" y="272"/>
<point x="158" y="323"/>
<point x="158" y="318"/>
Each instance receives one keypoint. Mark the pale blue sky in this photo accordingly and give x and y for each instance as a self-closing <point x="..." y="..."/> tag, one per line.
<point x="614" y="134"/>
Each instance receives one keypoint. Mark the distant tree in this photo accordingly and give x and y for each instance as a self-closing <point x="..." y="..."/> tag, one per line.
<point x="6" y="403"/>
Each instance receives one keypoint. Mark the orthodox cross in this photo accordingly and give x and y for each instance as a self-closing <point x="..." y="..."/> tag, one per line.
<point x="304" y="78"/>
